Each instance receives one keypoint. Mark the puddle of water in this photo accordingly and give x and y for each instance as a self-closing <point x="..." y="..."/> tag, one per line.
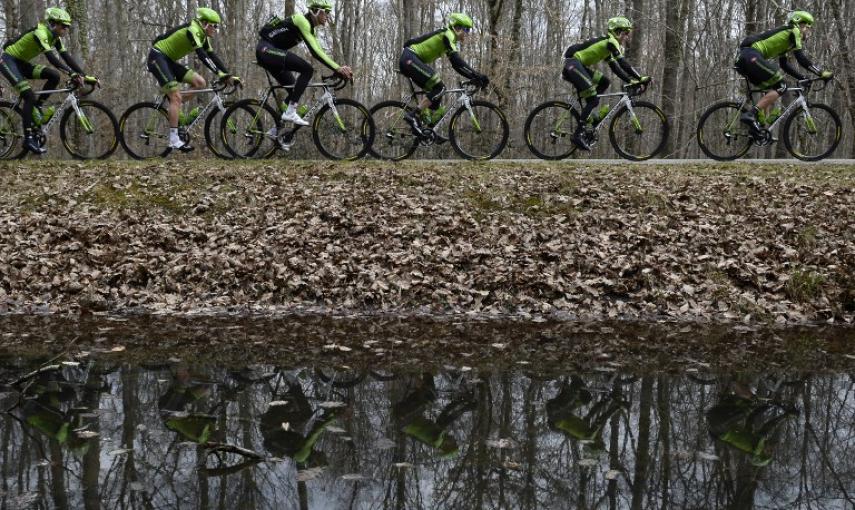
<point x="175" y="434"/>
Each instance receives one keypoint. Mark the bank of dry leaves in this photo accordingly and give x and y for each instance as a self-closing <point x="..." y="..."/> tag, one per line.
<point x="763" y="243"/>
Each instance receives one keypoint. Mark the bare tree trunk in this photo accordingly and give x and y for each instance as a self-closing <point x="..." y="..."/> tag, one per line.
<point x="848" y="69"/>
<point x="673" y="53"/>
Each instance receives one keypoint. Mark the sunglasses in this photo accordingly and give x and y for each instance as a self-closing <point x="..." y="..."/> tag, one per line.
<point x="466" y="30"/>
<point x="215" y="26"/>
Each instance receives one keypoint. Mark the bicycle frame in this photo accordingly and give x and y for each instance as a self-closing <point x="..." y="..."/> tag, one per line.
<point x="70" y="101"/>
<point x="327" y="98"/>
<point x="215" y="102"/>
<point x="463" y="98"/>
<point x="799" y="103"/>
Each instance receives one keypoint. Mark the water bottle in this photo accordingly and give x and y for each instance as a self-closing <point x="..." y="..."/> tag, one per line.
<point x="193" y="114"/>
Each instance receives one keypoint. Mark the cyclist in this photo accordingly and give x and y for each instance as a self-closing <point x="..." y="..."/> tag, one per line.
<point x="419" y="52"/>
<point x="171" y="47"/>
<point x="578" y="60"/>
<point x="16" y="66"/>
<point x="278" y="36"/>
<point x="755" y="62"/>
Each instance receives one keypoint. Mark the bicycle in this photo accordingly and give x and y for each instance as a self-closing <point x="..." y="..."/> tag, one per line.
<point x="811" y="136"/>
<point x="638" y="130"/>
<point x="94" y="135"/>
<point x="477" y="129"/>
<point x="342" y="129"/>
<point x="144" y="126"/>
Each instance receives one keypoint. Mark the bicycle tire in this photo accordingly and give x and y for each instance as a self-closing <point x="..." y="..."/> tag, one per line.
<point x="149" y="124"/>
<point x="791" y="138"/>
<point x="394" y="139"/>
<point x="347" y="140"/>
<point x="72" y="134"/>
<point x="213" y="136"/>
<point x="248" y="137"/>
<point x="545" y="129"/>
<point x="11" y="131"/>
<point x="642" y="137"/>
<point x="487" y="130"/>
<point x="724" y="131"/>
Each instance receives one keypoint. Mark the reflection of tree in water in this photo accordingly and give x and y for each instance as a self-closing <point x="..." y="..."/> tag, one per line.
<point x="653" y="435"/>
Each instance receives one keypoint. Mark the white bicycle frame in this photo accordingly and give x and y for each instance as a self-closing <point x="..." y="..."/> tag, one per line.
<point x="624" y="100"/>
<point x="70" y="100"/>
<point x="215" y="102"/>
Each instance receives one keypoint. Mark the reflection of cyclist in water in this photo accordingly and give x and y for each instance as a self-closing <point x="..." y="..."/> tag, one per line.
<point x="181" y="407"/>
<point x="289" y="430"/>
<point x="564" y="412"/>
<point x="747" y="423"/>
<point x="409" y="415"/>
<point x="49" y="407"/>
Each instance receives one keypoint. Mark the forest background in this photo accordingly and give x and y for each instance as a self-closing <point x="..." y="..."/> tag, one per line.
<point x="687" y="46"/>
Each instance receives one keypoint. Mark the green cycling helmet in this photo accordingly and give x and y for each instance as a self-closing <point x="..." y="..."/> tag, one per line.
<point x="320" y="4"/>
<point x="619" y="23"/>
<point x="208" y="15"/>
<point x="458" y="19"/>
<point x="58" y="15"/>
<point x="798" y="17"/>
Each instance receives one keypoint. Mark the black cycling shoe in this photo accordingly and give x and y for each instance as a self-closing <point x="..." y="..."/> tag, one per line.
<point x="749" y="118"/>
<point x="580" y="139"/>
<point x="413" y="121"/>
<point x="31" y="143"/>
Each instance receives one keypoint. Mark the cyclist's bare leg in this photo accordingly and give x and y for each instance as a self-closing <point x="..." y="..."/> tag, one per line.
<point x="767" y="101"/>
<point x="173" y="108"/>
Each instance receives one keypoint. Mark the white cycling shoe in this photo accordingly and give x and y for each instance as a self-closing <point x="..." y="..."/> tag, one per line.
<point x="291" y="116"/>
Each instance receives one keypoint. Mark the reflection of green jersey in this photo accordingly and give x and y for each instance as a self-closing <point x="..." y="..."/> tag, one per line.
<point x="33" y="43"/>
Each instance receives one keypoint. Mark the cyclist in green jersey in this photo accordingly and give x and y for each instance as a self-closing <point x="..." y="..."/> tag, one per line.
<point x="16" y="66"/>
<point x="174" y="45"/>
<point x="755" y="62"/>
<point x="423" y="50"/>
<point x="278" y="36"/>
<point x="578" y="60"/>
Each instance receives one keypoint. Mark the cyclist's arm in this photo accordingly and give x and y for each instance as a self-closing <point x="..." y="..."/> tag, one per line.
<point x="620" y="66"/>
<point x="462" y="67"/>
<point x="805" y="61"/>
<point x="72" y="62"/>
<point x="788" y="68"/>
<point x="311" y="41"/>
<point x="58" y="63"/>
<point x="212" y="61"/>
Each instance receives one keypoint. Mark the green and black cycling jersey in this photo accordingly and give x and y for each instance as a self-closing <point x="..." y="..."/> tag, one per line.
<point x="183" y="39"/>
<point x="38" y="40"/>
<point x="433" y="45"/>
<point x="777" y="43"/>
<point x="593" y="51"/>
<point x="289" y="32"/>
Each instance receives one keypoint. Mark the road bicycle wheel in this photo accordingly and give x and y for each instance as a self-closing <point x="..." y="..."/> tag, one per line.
<point x="638" y="133"/>
<point x="343" y="134"/>
<point x="214" y="135"/>
<point x="144" y="131"/>
<point x="11" y="132"/>
<point x="94" y="134"/>
<point x="248" y="129"/>
<point x="721" y="135"/>
<point x="394" y="139"/>
<point x="812" y="136"/>
<point x="549" y="129"/>
<point x="479" y="134"/>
